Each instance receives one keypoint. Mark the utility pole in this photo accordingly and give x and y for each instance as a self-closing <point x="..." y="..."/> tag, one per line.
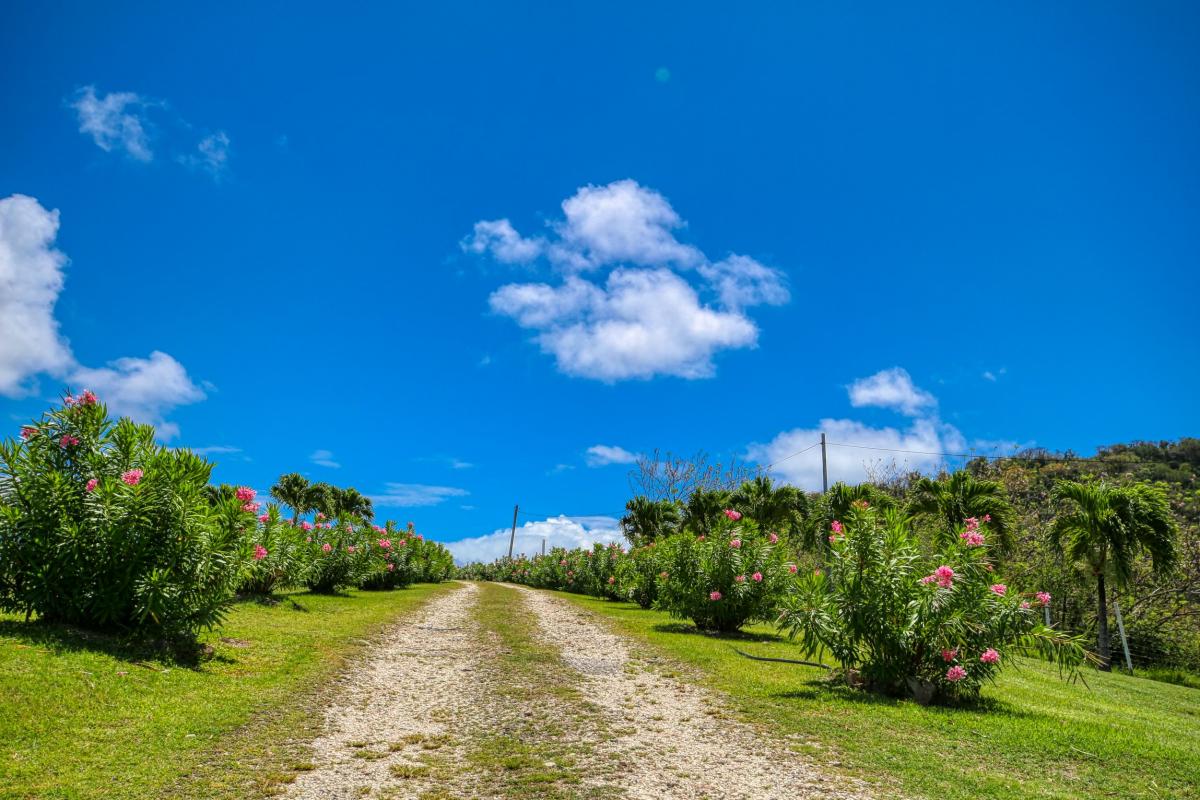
<point x="824" y="468"/>
<point x="543" y="545"/>
<point x="513" y="537"/>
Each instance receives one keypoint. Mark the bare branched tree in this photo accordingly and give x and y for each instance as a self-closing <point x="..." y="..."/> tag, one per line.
<point x="666" y="476"/>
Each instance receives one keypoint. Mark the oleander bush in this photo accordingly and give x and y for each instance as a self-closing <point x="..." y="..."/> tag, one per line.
<point x="638" y="575"/>
<point x="725" y="578"/>
<point x="275" y="548"/>
<point x="902" y="619"/>
<point x="103" y="528"/>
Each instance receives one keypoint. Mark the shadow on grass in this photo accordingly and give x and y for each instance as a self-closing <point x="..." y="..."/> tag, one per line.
<point x="688" y="629"/>
<point x="826" y="689"/>
<point x="60" y="638"/>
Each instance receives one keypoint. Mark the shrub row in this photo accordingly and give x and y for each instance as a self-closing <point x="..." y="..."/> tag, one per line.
<point x="103" y="528"/>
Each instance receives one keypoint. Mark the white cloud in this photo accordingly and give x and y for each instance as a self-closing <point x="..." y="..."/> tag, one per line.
<point x="621" y="223"/>
<point x="560" y="531"/>
<point x="215" y="450"/>
<point x="601" y="455"/>
<point x="853" y="448"/>
<point x="142" y="388"/>
<point x="891" y="388"/>
<point x="114" y="121"/>
<point x="212" y="155"/>
<point x="324" y="458"/>
<point x="31" y="277"/>
<point x="416" y="494"/>
<point x="644" y="319"/>
<point x="499" y="238"/>
<point x="989" y="375"/>
<point x="740" y="281"/>
<point x="641" y="324"/>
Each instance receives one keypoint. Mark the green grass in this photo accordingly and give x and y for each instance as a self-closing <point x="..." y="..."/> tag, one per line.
<point x="80" y="717"/>
<point x="1032" y="736"/>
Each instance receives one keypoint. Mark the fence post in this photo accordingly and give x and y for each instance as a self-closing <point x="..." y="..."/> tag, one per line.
<point x="1121" y="629"/>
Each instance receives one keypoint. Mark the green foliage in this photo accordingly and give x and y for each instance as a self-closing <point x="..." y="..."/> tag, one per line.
<point x="723" y="579"/>
<point x="649" y="520"/>
<point x="101" y="527"/>
<point x="899" y="621"/>
<point x="959" y="496"/>
<point x="275" y="555"/>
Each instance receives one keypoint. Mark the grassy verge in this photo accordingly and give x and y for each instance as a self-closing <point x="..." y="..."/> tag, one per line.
<point x="540" y="745"/>
<point x="1034" y="736"/>
<point x="81" y="718"/>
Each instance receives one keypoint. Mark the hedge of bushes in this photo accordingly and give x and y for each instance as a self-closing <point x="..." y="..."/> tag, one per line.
<point x="103" y="528"/>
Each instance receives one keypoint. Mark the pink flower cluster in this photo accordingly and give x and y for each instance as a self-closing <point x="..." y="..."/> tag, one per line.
<point x="950" y="655"/>
<point x="386" y="544"/>
<point x="990" y="656"/>
<point x="739" y="579"/>
<point x="998" y="589"/>
<point x="1043" y="598"/>
<point x="68" y="441"/>
<point x="733" y="515"/>
<point x="772" y="538"/>
<point x="943" y="575"/>
<point x="714" y="596"/>
<point x="264" y="518"/>
<point x="955" y="674"/>
<point x="327" y="547"/>
<point x="251" y="508"/>
<point x="736" y="544"/>
<point x="305" y="525"/>
<point x="757" y="577"/>
<point x="85" y="399"/>
<point x="260" y="552"/>
<point x="91" y="485"/>
<point x="244" y="493"/>
<point x="132" y="477"/>
<point x="28" y="432"/>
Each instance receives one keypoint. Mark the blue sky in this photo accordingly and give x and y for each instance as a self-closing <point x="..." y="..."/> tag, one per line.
<point x="462" y="256"/>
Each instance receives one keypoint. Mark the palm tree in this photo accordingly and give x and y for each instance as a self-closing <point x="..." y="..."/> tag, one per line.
<point x="341" y="504"/>
<point x="960" y="496"/>
<point x="648" y="520"/>
<point x="774" y="508"/>
<point x="1105" y="528"/>
<point x="835" y="504"/>
<point x="702" y="509"/>
<point x="294" y="491"/>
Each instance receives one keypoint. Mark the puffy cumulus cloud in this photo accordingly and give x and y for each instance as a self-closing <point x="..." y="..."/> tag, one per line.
<point x="642" y="323"/>
<point x="500" y="239"/>
<point x="560" y="531"/>
<point x="405" y="495"/>
<point x="142" y="388"/>
<point x="114" y="121"/>
<point x="621" y="223"/>
<point x="31" y="277"/>
<point x="645" y="318"/>
<point x="601" y="455"/>
<point x="891" y="388"/>
<point x="740" y="281"/>
<point x="854" y="448"/>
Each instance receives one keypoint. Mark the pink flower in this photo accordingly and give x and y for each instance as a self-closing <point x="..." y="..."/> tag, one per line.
<point x="928" y="579"/>
<point x="386" y="544"/>
<point x="699" y="538"/>
<point x="740" y="579"/>
<point x="91" y="485"/>
<point x="132" y="477"/>
<point x="733" y="515"/>
<point x="570" y="573"/>
<point x="955" y="674"/>
<point x="971" y="538"/>
<point x="736" y="544"/>
<point x="998" y="589"/>
<point x="949" y="655"/>
<point x="251" y="508"/>
<point x="28" y="432"/>
<point x="611" y="580"/>
<point x="69" y="400"/>
<point x="792" y="568"/>
<point x="308" y="539"/>
<point x="305" y="525"/>
<point x="1043" y="598"/>
<point x="1025" y="604"/>
<point x="260" y="552"/>
<point x="418" y="536"/>
<point x="264" y="519"/>
<point x="836" y="527"/>
<point x="68" y="441"/>
<point x="87" y="398"/>
<point x="756" y="577"/>
<point x="990" y="656"/>
<point x="350" y="548"/>
<point x="327" y="547"/>
<point x="562" y="563"/>
<point x="391" y="566"/>
<point x="714" y="596"/>
<point x="245" y="494"/>
<point x="987" y="517"/>
<point x="972" y="524"/>
<point x="401" y="543"/>
<point x="411" y="525"/>
<point x="662" y="575"/>
<point x="945" y="576"/>
<point x="772" y="538"/>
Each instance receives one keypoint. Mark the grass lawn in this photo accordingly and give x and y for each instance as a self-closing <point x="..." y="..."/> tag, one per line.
<point x="1033" y="736"/>
<point x="80" y="718"/>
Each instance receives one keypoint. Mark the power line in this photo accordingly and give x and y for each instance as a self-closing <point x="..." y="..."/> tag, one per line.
<point x="994" y="458"/>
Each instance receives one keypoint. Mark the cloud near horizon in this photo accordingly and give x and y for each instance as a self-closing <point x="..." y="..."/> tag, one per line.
<point x="601" y="455"/>
<point x="560" y="531"/>
<point x="645" y="318"/>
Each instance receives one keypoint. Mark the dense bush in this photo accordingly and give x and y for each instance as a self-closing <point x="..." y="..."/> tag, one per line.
<point x="101" y="527"/>
<point x="899" y="620"/>
<point x="275" y="555"/>
<point x="723" y="579"/>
